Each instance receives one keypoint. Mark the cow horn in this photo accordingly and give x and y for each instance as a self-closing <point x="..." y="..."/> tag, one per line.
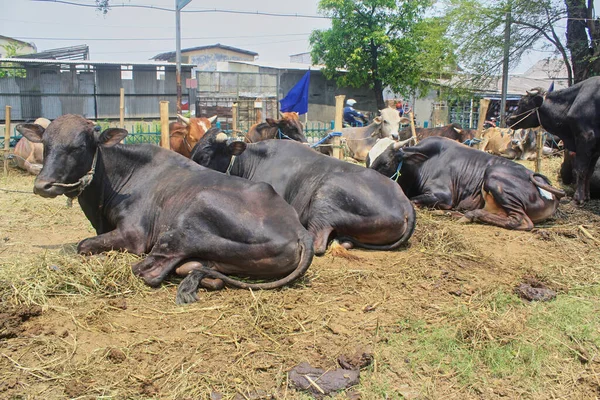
<point x="212" y="119"/>
<point x="533" y="92"/>
<point x="183" y="119"/>
<point x="457" y="130"/>
<point x="399" y="145"/>
<point x="221" y="137"/>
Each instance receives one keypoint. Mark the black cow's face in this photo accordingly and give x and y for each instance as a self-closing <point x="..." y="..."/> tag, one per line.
<point x="387" y="162"/>
<point x="213" y="151"/>
<point x="70" y="143"/>
<point x="526" y="115"/>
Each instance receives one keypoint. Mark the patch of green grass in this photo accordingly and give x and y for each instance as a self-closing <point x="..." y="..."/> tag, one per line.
<point x="499" y="336"/>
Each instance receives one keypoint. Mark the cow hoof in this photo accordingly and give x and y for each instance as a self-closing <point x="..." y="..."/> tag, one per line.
<point x="347" y="245"/>
<point x="464" y="220"/>
<point x="212" y="284"/>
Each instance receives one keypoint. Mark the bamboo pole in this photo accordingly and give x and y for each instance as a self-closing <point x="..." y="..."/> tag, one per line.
<point x="411" y="116"/>
<point x="122" y="109"/>
<point x="234" y="119"/>
<point x="540" y="150"/>
<point x="165" y="142"/>
<point x="337" y="127"/>
<point x="6" y="139"/>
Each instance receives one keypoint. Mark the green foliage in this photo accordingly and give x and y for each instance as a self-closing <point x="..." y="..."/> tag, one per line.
<point x="477" y="27"/>
<point x="8" y="69"/>
<point x="381" y="43"/>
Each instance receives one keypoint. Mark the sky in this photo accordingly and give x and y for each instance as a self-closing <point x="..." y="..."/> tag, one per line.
<point x="137" y="34"/>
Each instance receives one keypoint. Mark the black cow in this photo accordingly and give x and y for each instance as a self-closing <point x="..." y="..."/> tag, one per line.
<point x="572" y="114"/>
<point x="567" y="176"/>
<point x="148" y="200"/>
<point x="441" y="173"/>
<point x="452" y="131"/>
<point x="332" y="197"/>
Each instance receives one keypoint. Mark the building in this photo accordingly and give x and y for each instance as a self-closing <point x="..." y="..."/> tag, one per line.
<point x="206" y="57"/>
<point x="21" y="46"/>
<point x="50" y="88"/>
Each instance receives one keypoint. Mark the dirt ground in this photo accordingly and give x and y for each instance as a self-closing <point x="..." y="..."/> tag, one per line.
<point x="440" y="316"/>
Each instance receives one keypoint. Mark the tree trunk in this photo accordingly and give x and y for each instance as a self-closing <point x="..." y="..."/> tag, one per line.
<point x="577" y="39"/>
<point x="378" y="89"/>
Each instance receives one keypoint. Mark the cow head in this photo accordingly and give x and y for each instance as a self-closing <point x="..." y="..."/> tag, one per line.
<point x="526" y="116"/>
<point x="71" y="143"/>
<point x="388" y="123"/>
<point x="289" y="125"/>
<point x="196" y="127"/>
<point x="388" y="161"/>
<point x="213" y="150"/>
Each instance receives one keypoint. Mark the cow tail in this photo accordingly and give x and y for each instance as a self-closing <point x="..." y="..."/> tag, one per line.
<point x="557" y="192"/>
<point x="306" y="256"/>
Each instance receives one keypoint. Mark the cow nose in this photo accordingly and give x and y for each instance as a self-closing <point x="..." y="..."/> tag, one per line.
<point x="42" y="186"/>
<point x="515" y="141"/>
<point x="395" y="136"/>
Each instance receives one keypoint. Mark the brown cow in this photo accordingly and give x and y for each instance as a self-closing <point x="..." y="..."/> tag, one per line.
<point x="288" y="127"/>
<point x="519" y="144"/>
<point x="29" y="155"/>
<point x="185" y="134"/>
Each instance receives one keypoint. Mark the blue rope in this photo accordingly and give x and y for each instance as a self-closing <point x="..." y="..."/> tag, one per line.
<point x="397" y="174"/>
<point x="281" y="135"/>
<point x="471" y="142"/>
<point x="329" y="136"/>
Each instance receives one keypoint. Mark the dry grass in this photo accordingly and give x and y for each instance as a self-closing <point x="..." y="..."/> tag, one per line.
<point x="440" y="316"/>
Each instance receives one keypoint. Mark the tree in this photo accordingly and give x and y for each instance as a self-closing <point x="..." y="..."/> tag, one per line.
<point x="9" y="69"/>
<point x="583" y="39"/>
<point x="478" y="29"/>
<point x="381" y="43"/>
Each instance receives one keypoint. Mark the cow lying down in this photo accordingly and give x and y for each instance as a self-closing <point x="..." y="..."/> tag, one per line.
<point x="187" y="219"/>
<point x="444" y="174"/>
<point x="333" y="198"/>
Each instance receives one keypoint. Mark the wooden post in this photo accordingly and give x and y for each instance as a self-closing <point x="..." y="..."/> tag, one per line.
<point x="411" y="116"/>
<point x="337" y="127"/>
<point x="165" y="141"/>
<point x="6" y="139"/>
<point x="258" y="110"/>
<point x="122" y="109"/>
<point x="540" y="150"/>
<point x="234" y="120"/>
<point x="484" y="104"/>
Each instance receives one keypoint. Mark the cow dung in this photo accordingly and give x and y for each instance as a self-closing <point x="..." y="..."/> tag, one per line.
<point x="323" y="382"/>
<point x="538" y="293"/>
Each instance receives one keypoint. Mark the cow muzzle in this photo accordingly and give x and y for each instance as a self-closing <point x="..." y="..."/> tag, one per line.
<point x="45" y="188"/>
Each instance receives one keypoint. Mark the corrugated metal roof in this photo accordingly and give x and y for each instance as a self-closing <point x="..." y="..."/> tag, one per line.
<point x="288" y="66"/>
<point x="171" y="54"/>
<point x="92" y="63"/>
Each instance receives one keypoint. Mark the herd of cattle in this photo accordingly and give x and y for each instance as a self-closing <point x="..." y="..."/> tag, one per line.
<point x="261" y="208"/>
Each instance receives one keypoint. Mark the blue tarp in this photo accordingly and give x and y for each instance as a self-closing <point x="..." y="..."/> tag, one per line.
<point x="297" y="97"/>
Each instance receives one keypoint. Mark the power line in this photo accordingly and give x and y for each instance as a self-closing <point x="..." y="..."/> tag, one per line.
<point x="205" y="10"/>
<point x="162" y="38"/>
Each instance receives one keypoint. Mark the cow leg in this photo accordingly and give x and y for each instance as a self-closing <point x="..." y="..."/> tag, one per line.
<point x="443" y="201"/>
<point x="582" y="166"/>
<point x="590" y="172"/>
<point x="320" y="238"/>
<point x="113" y="240"/>
<point x="511" y="221"/>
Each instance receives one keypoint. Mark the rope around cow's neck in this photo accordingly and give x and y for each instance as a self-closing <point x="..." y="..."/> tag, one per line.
<point x="228" y="172"/>
<point x="82" y="183"/>
<point x="397" y="174"/>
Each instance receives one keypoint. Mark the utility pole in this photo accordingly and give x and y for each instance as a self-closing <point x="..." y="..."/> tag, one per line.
<point x="505" y="66"/>
<point x="179" y="4"/>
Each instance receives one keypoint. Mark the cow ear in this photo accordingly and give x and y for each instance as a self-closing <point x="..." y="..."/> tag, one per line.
<point x="111" y="136"/>
<point x="33" y="132"/>
<point x="237" y="147"/>
<point x="378" y="120"/>
<point x="412" y="157"/>
<point x="271" y="121"/>
<point x="404" y="121"/>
